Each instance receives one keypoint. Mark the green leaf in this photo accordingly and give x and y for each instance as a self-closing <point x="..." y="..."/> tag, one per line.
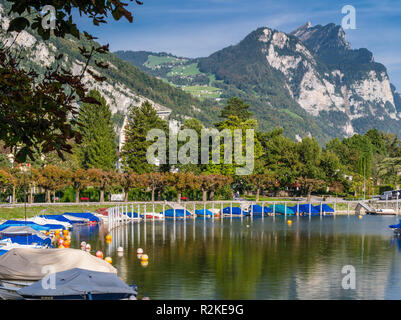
<point x="18" y="24"/>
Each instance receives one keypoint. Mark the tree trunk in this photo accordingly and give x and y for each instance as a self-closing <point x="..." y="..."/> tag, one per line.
<point x="257" y="194"/>
<point x="126" y="195"/>
<point x="47" y="196"/>
<point x="77" y="195"/>
<point x="204" y="196"/>
<point x="179" y="196"/>
<point x="101" y="195"/>
<point x="14" y="199"/>
<point x="212" y="195"/>
<point x="309" y="193"/>
<point x="153" y="194"/>
<point x="54" y="196"/>
<point x="31" y="195"/>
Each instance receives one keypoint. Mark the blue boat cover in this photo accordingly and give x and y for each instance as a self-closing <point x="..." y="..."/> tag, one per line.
<point x="235" y="210"/>
<point x="31" y="239"/>
<point x="77" y="281"/>
<point x="178" y="213"/>
<point x="129" y="214"/>
<point x="32" y="224"/>
<point x="58" y="217"/>
<point x="395" y="226"/>
<point x="280" y="208"/>
<point x="84" y="215"/>
<point x="306" y="208"/>
<point x="325" y="208"/>
<point x="16" y="223"/>
<point x="257" y="209"/>
<point x="3" y="252"/>
<point x="202" y="212"/>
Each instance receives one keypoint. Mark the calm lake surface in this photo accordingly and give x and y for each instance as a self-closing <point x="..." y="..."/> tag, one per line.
<point x="255" y="259"/>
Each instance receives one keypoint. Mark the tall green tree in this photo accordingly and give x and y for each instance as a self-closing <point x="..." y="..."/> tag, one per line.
<point x="98" y="148"/>
<point x="140" y="121"/>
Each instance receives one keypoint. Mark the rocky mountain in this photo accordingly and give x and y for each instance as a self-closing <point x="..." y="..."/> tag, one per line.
<point x="125" y="85"/>
<point x="310" y="81"/>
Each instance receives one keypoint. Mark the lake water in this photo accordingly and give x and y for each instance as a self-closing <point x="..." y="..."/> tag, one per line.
<point x="256" y="259"/>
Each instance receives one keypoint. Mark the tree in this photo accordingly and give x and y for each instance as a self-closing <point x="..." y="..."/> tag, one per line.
<point x="235" y="107"/>
<point x="52" y="179"/>
<point x="261" y="181"/>
<point x="100" y="179"/>
<point x="98" y="148"/>
<point x="79" y="181"/>
<point x="280" y="157"/>
<point x="40" y="110"/>
<point x="129" y="180"/>
<point x="181" y="182"/>
<point x="153" y="181"/>
<point x="311" y="173"/>
<point x="140" y="121"/>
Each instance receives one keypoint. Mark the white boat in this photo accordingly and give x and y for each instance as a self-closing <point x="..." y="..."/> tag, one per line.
<point x="151" y="215"/>
<point x="76" y="219"/>
<point x="20" y="267"/>
<point x="42" y="221"/>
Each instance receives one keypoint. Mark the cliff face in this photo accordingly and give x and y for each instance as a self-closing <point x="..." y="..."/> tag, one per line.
<point x="341" y="88"/>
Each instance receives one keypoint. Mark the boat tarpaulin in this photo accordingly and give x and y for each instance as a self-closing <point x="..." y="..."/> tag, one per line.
<point x="31" y="239"/>
<point x="20" y="231"/>
<point x="29" y="263"/>
<point x="281" y="209"/>
<point x="17" y="223"/>
<point x="78" y="282"/>
<point x="58" y="217"/>
<point x="325" y="208"/>
<point x="257" y="209"/>
<point x="234" y="210"/>
<point x="83" y="215"/>
<point x="202" y="212"/>
<point x="178" y="213"/>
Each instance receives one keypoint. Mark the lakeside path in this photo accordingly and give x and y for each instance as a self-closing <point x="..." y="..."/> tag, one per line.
<point x="17" y="211"/>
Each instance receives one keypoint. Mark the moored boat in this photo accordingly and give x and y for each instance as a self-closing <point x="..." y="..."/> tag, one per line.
<point x="81" y="284"/>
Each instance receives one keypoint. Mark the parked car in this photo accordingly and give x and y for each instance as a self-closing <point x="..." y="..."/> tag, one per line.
<point x="391" y="195"/>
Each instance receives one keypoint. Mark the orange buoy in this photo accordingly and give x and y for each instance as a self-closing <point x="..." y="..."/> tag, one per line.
<point x="65" y="232"/>
<point x="66" y="243"/>
<point x="88" y="247"/>
<point x="60" y="241"/>
<point x="108" y="259"/>
<point x="99" y="254"/>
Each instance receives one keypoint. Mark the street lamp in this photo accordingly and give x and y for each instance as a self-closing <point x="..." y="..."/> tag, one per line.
<point x="24" y="168"/>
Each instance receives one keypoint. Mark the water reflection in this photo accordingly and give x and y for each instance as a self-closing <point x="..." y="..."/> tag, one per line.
<point x="256" y="259"/>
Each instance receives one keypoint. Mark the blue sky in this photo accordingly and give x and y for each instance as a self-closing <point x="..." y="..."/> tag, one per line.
<point x="197" y="28"/>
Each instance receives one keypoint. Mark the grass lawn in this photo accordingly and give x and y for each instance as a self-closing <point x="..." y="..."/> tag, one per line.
<point x="187" y="70"/>
<point x="154" y="61"/>
<point x="203" y="92"/>
<point x="19" y="212"/>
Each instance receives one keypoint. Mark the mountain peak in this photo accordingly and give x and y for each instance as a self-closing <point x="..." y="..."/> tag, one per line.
<point x="301" y="29"/>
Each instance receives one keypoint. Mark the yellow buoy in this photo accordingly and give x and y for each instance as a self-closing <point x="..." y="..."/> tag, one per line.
<point x="289" y="222"/>
<point x="144" y="263"/>
<point x="108" y="259"/>
<point x="144" y="257"/>
<point x="65" y="232"/>
<point x="360" y="217"/>
<point x="57" y="233"/>
<point x="61" y="246"/>
<point x="108" y="237"/>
